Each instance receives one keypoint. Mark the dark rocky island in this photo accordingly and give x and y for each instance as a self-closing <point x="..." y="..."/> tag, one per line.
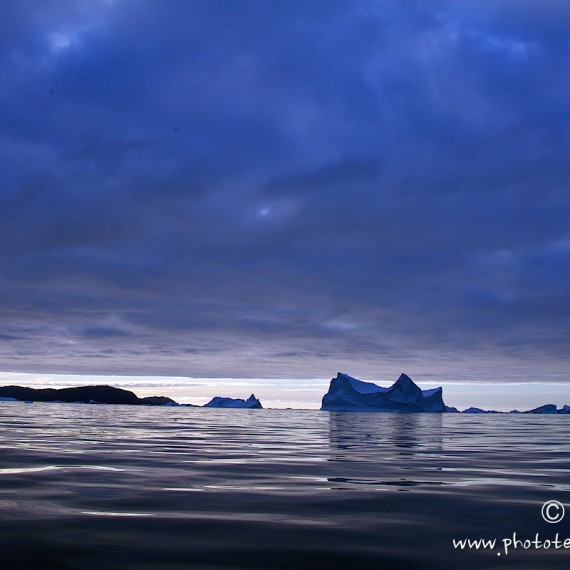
<point x="83" y="394"/>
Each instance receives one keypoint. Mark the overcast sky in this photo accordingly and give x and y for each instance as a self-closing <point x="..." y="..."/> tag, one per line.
<point x="286" y="188"/>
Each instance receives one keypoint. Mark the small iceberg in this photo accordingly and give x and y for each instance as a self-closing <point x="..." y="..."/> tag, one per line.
<point x="549" y="409"/>
<point x="546" y="409"/>
<point x="218" y="402"/>
<point x="349" y="394"/>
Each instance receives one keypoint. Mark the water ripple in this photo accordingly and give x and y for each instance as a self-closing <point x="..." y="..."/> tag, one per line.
<point x="130" y="487"/>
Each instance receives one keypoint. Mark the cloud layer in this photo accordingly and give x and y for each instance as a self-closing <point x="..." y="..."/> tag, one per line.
<point x="285" y="188"/>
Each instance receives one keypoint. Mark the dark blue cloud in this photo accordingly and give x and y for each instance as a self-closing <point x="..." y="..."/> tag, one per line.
<point x="285" y="188"/>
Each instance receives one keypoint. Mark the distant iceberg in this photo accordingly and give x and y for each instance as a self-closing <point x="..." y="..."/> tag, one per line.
<point x="549" y="409"/>
<point x="349" y="394"/>
<point x="546" y="409"/>
<point x="218" y="402"/>
<point x="474" y="410"/>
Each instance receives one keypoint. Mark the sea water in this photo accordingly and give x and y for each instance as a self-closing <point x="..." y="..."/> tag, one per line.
<point x="104" y="487"/>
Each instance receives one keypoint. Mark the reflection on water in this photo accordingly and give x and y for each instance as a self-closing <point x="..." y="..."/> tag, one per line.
<point x="369" y="432"/>
<point x="136" y="487"/>
<point x="401" y="450"/>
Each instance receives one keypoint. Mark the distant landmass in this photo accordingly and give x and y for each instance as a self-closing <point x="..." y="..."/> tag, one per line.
<point x="111" y="395"/>
<point x="82" y="394"/>
<point x="345" y="393"/>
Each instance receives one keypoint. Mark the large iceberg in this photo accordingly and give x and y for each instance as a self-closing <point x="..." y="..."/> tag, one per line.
<point x="350" y="394"/>
<point x="218" y="402"/>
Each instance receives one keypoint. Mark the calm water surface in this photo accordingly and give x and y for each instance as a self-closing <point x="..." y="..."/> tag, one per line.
<point x="105" y="487"/>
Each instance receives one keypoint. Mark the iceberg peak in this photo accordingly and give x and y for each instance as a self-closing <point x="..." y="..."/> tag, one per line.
<point x="405" y="380"/>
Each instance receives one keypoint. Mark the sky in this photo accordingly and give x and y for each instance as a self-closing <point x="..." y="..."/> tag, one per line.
<point x="286" y="189"/>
